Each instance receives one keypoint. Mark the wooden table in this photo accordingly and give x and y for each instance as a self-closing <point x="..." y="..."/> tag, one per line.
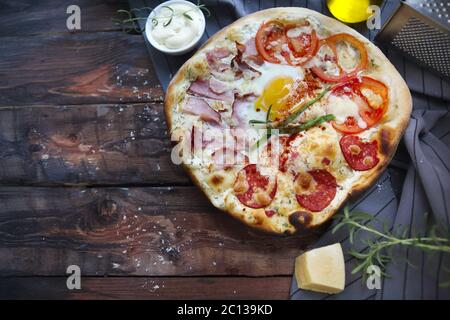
<point x="86" y="177"/>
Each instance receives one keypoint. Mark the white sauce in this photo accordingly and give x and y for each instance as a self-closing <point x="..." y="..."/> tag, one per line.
<point x="342" y="108"/>
<point x="181" y="31"/>
<point x="348" y="57"/>
<point x="295" y="32"/>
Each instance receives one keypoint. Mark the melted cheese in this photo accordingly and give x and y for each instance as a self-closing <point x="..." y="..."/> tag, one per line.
<point x="348" y="56"/>
<point x="295" y="32"/>
<point x="373" y="98"/>
<point x="342" y="108"/>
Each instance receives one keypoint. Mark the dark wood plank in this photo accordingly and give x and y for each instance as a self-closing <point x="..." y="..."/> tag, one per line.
<point x="133" y="231"/>
<point x="76" y="68"/>
<point x="20" y="18"/>
<point x="86" y="144"/>
<point x="147" y="288"/>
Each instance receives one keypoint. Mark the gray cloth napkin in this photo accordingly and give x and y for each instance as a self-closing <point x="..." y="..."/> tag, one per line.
<point x="413" y="192"/>
<point x="424" y="201"/>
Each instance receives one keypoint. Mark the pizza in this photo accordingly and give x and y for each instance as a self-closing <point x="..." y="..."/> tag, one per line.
<point x="284" y="115"/>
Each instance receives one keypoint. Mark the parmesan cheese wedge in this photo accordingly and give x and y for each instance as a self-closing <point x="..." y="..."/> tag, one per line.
<point x="321" y="269"/>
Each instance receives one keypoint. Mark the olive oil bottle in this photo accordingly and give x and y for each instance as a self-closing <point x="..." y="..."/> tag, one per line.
<point x="351" y="11"/>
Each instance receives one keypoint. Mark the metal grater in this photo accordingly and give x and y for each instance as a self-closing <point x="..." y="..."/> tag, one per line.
<point x="420" y="29"/>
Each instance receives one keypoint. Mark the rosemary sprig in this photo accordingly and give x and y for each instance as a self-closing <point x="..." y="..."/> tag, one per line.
<point x="268" y="113"/>
<point x="185" y="14"/>
<point x="258" y="121"/>
<point x="379" y="250"/>
<point x="309" y="124"/>
<point x="129" y="19"/>
<point x="165" y="24"/>
<point x="269" y="131"/>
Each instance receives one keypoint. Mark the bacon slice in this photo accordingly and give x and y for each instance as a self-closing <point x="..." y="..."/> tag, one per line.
<point x="217" y="86"/>
<point x="214" y="58"/>
<point x="241" y="66"/>
<point x="315" y="189"/>
<point x="240" y="104"/>
<point x="253" y="189"/>
<point x="201" y="88"/>
<point x="201" y="108"/>
<point x="360" y="155"/>
<point x="250" y="48"/>
<point x="251" y="53"/>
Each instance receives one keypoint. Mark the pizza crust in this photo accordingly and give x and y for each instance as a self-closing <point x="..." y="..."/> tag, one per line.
<point x="390" y="128"/>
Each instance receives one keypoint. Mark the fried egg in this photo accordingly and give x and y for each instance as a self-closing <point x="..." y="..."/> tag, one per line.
<point x="274" y="87"/>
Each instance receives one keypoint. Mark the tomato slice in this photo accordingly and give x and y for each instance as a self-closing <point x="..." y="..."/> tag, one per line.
<point x="373" y="113"/>
<point x="269" y="39"/>
<point x="272" y="41"/>
<point x="369" y="111"/>
<point x="303" y="47"/>
<point x="332" y="42"/>
<point x="348" y="127"/>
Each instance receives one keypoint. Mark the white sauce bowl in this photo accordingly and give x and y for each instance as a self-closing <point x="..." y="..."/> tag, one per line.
<point x="182" y="50"/>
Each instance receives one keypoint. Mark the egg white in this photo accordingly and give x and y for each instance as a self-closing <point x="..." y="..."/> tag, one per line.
<point x="270" y="71"/>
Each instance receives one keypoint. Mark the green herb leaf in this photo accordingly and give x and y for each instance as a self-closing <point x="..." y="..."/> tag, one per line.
<point x="268" y="113"/>
<point x="309" y="124"/>
<point x="257" y="122"/>
<point x="357" y="254"/>
<point x="205" y="9"/>
<point x="337" y="227"/>
<point x="130" y="23"/>
<point x="165" y="24"/>
<point x="269" y="131"/>
<point x="167" y="7"/>
<point x="264" y="138"/>
<point x="187" y="16"/>
<point x="358" y="268"/>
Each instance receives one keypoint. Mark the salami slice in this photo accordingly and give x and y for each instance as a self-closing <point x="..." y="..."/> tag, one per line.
<point x="360" y="155"/>
<point x="315" y="189"/>
<point x="254" y="189"/>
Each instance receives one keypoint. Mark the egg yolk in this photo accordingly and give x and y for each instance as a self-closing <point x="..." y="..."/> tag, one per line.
<point x="276" y="94"/>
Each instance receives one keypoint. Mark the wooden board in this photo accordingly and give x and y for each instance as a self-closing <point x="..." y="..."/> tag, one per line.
<point x="86" y="144"/>
<point x="132" y="231"/>
<point x="99" y="67"/>
<point x="19" y="18"/>
<point x="147" y="288"/>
